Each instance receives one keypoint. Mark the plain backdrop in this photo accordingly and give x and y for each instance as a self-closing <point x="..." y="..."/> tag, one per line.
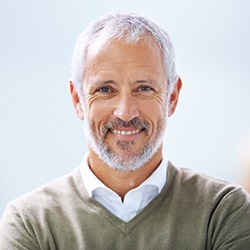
<point x="40" y="135"/>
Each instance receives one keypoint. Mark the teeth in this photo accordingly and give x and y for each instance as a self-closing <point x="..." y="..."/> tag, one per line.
<point x="122" y="132"/>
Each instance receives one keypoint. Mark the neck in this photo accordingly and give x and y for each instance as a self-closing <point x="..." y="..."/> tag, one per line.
<point x="122" y="182"/>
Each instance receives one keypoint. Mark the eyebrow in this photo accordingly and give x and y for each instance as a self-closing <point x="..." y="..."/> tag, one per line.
<point x="105" y="82"/>
<point x="98" y="82"/>
<point x="149" y="81"/>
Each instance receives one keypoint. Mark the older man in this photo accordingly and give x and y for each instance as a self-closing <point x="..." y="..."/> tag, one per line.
<point x="125" y="194"/>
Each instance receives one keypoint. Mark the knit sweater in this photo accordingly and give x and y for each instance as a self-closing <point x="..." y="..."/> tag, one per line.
<point x="193" y="211"/>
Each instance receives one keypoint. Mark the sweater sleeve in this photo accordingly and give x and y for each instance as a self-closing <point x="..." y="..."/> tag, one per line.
<point x="230" y="223"/>
<point x="15" y="233"/>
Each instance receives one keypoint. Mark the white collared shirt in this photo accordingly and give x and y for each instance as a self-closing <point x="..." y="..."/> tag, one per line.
<point x="134" y="201"/>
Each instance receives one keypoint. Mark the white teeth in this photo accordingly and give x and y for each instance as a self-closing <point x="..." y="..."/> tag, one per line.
<point x="122" y="132"/>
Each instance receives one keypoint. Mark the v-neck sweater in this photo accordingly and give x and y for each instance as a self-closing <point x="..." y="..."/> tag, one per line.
<point x="193" y="211"/>
<point x="134" y="200"/>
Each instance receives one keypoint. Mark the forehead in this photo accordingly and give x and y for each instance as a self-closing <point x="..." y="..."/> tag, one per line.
<point x="118" y="53"/>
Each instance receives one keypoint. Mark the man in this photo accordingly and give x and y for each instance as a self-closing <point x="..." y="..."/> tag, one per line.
<point x="125" y="194"/>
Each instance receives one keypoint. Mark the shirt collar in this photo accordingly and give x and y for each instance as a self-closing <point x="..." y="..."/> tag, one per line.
<point x="158" y="177"/>
<point x="91" y="182"/>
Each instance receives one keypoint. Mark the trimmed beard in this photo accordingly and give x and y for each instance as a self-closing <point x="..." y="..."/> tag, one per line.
<point x="126" y="161"/>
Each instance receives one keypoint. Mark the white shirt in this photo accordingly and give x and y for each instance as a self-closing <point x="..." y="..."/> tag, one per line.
<point x="134" y="201"/>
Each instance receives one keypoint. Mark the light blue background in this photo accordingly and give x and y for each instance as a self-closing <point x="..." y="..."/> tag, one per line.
<point x="40" y="136"/>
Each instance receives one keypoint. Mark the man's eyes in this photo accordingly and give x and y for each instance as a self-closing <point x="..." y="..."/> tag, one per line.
<point x="145" y="88"/>
<point x="104" y="90"/>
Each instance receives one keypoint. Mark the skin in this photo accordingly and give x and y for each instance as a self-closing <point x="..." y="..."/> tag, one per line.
<point x="126" y="82"/>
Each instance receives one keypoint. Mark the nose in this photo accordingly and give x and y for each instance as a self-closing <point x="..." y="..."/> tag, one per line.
<point x="126" y="108"/>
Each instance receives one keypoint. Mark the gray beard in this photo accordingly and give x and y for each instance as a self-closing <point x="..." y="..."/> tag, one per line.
<point x="126" y="161"/>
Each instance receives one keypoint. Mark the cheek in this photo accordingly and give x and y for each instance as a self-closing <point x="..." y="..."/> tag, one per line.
<point x="155" y="113"/>
<point x="92" y="107"/>
<point x="97" y="116"/>
<point x="154" y="110"/>
<point x="90" y="102"/>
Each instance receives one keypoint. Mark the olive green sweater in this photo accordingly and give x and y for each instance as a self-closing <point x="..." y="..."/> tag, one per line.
<point x="193" y="211"/>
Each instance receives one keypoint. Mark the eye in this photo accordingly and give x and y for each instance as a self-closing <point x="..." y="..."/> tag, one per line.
<point x="144" y="91"/>
<point x="104" y="90"/>
<point x="145" y="88"/>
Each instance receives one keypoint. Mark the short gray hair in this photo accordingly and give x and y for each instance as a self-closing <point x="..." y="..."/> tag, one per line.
<point x="129" y="28"/>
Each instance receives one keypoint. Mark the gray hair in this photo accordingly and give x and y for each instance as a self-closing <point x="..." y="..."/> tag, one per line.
<point x="129" y="28"/>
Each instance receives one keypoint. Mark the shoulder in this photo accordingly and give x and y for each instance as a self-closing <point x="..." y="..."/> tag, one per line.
<point x="36" y="214"/>
<point x="197" y="179"/>
<point x="51" y="194"/>
<point x="197" y="185"/>
<point x="214" y="207"/>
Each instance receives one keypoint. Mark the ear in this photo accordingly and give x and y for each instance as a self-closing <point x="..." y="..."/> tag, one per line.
<point x="174" y="96"/>
<point x="76" y="101"/>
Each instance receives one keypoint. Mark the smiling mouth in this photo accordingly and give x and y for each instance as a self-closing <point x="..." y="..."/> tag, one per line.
<point x="125" y="132"/>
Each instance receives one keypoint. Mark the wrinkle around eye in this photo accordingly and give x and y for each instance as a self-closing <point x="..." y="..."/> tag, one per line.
<point x="91" y="99"/>
<point x="104" y="92"/>
<point x="104" y="89"/>
<point x="144" y="92"/>
<point x="145" y="89"/>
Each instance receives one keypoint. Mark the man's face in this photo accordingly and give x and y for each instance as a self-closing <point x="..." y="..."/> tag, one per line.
<point x="125" y="102"/>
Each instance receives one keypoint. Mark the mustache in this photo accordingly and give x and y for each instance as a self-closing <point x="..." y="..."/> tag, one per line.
<point x="134" y="123"/>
